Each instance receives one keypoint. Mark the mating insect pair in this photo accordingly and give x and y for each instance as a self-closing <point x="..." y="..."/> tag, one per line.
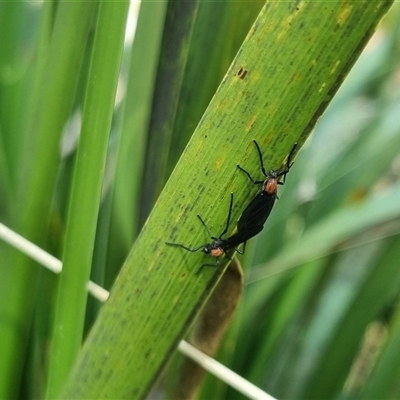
<point x="252" y="220"/>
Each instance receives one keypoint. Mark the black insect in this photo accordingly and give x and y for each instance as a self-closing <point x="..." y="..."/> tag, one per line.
<point x="218" y="246"/>
<point x="256" y="213"/>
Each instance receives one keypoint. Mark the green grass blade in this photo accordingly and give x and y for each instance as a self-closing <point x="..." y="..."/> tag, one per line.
<point x="134" y="125"/>
<point x="179" y="22"/>
<point x="86" y="191"/>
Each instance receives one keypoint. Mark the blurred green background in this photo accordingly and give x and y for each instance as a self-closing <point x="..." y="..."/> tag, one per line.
<point x="322" y="283"/>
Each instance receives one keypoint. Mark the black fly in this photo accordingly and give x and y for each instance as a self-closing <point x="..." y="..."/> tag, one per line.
<point x="218" y="246"/>
<point x="257" y="212"/>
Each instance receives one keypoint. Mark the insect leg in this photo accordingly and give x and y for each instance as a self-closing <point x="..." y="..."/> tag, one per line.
<point x="206" y="227"/>
<point x="216" y="265"/>
<point x="241" y="252"/>
<point x="185" y="247"/>
<point x="248" y="175"/>
<point x="228" y="218"/>
<point x="261" y="158"/>
<point x="283" y="172"/>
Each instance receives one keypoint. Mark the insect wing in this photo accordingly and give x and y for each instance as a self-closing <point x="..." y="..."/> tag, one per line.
<point x="241" y="237"/>
<point x="257" y="212"/>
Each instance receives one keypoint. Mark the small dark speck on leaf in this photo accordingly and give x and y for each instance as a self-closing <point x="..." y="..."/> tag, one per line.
<point x="242" y="73"/>
<point x="147" y="354"/>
